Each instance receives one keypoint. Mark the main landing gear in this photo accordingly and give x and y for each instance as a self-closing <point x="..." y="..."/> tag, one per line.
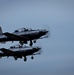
<point x="25" y="59"/>
<point x="22" y="42"/>
<point x="25" y="42"/>
<point x="31" y="43"/>
<point x="15" y="57"/>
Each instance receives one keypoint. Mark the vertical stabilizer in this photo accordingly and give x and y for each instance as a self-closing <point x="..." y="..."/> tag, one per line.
<point x="1" y="31"/>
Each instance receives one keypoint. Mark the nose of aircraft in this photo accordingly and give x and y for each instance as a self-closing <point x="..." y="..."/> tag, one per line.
<point x="43" y="32"/>
<point x="37" y="48"/>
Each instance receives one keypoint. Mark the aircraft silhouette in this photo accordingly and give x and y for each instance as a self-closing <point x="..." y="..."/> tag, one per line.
<point x="19" y="52"/>
<point x="23" y="35"/>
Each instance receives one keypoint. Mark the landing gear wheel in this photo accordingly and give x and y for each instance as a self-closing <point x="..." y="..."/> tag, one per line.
<point x="32" y="57"/>
<point x="34" y="41"/>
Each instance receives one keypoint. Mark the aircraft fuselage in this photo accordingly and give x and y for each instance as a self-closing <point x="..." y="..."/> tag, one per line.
<point x="31" y="35"/>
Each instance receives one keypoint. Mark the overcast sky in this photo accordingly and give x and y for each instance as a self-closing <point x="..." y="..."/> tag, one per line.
<point x="57" y="56"/>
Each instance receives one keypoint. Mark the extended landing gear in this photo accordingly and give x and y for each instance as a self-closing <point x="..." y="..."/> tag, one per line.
<point x="7" y="56"/>
<point x="25" y="59"/>
<point x="32" y="57"/>
<point x="31" y="43"/>
<point x="15" y="57"/>
<point x="23" y="42"/>
<point x="34" y="41"/>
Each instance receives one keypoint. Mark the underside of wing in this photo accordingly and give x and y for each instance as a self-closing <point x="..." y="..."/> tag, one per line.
<point x="13" y="36"/>
<point x="6" y="50"/>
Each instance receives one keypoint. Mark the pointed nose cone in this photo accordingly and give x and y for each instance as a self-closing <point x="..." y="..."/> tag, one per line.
<point x="43" y="32"/>
<point x="46" y="31"/>
<point x="37" y="48"/>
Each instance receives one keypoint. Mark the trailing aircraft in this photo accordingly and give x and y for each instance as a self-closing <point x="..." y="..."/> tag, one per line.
<point x="23" y="35"/>
<point x="19" y="51"/>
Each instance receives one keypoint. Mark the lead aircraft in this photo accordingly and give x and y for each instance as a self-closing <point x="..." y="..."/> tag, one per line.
<point x="19" y="51"/>
<point x="23" y="35"/>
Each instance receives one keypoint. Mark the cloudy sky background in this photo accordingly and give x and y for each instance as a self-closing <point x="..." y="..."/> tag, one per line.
<point x="57" y="56"/>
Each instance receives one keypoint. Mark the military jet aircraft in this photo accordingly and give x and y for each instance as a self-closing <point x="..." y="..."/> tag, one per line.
<point x="20" y="51"/>
<point x="23" y="35"/>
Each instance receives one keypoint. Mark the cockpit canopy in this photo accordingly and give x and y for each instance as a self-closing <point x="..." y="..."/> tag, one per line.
<point x="19" y="46"/>
<point x="23" y="30"/>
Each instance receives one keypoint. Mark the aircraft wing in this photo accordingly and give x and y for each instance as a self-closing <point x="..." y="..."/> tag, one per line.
<point x="36" y="53"/>
<point x="43" y="37"/>
<point x="2" y="55"/>
<point x="11" y="35"/>
<point x="6" y="51"/>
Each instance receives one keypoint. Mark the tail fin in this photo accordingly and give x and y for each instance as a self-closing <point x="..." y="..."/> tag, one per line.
<point x="1" y="31"/>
